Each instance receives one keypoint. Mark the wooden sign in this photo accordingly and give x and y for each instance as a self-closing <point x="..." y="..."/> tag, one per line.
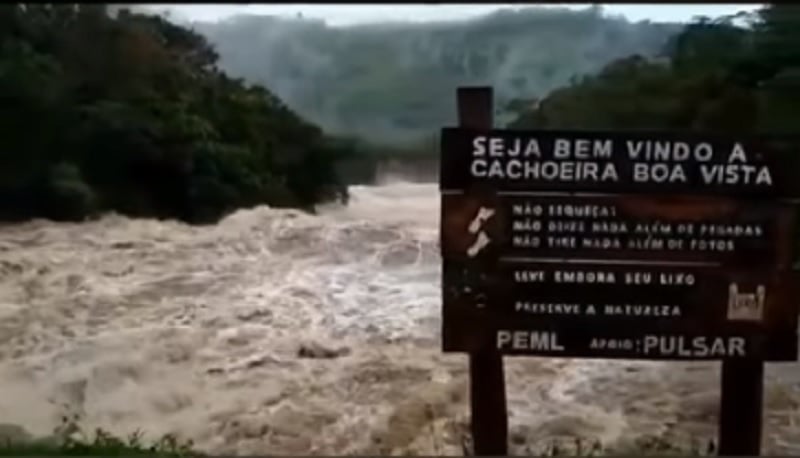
<point x="713" y="232"/>
<point x="638" y="245"/>
<point x="616" y="162"/>
<point x="580" y="306"/>
<point x="628" y="256"/>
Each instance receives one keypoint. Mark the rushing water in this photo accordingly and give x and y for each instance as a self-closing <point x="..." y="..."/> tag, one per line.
<point x="198" y="331"/>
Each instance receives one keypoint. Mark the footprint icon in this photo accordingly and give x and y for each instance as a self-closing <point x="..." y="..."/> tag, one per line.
<point x="481" y="217"/>
<point x="480" y="243"/>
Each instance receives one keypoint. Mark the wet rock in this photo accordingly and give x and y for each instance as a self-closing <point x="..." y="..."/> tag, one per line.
<point x="114" y="273"/>
<point x="254" y="314"/>
<point x="316" y="351"/>
<point x="259" y="361"/>
<point x="124" y="245"/>
<point x="518" y="437"/>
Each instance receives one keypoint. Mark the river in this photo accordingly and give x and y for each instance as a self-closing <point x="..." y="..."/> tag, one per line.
<point x="277" y="332"/>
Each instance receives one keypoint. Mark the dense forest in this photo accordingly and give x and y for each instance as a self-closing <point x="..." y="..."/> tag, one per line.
<point x="130" y="113"/>
<point x="738" y="74"/>
<point x="394" y="83"/>
<point x="109" y="110"/>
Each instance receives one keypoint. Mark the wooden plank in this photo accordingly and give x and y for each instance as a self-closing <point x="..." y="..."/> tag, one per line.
<point x="741" y="408"/>
<point x="489" y="416"/>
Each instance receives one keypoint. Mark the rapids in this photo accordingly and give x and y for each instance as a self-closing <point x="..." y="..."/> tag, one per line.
<point x="197" y="331"/>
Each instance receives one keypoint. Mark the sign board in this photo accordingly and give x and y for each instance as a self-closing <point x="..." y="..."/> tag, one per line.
<point x="612" y="162"/>
<point x="712" y="232"/>
<point x="590" y="244"/>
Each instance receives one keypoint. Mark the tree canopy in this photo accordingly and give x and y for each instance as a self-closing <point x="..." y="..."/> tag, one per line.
<point x="131" y="113"/>
<point x="105" y="110"/>
<point x="733" y="74"/>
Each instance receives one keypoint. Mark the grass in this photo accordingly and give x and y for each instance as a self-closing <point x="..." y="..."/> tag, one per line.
<point x="645" y="446"/>
<point x="70" y="440"/>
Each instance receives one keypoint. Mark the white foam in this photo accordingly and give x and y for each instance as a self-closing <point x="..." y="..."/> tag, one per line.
<point x="195" y="331"/>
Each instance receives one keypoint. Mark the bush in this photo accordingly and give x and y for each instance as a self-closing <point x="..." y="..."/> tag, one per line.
<point x="70" y="440"/>
<point x="139" y="120"/>
<point x="68" y="197"/>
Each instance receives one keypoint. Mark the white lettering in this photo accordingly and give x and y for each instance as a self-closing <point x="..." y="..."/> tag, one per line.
<point x="697" y="347"/>
<point x="499" y="147"/>
<point x="496" y="147"/>
<point x="528" y="276"/>
<point x="547" y="308"/>
<point x="659" y="173"/>
<point x="582" y="211"/>
<point x="642" y="310"/>
<point x="561" y="148"/>
<point x="666" y="151"/>
<point x="533" y="149"/>
<point x="736" y="174"/>
<point x="588" y="277"/>
<point x="503" y="337"/>
<point x="528" y="340"/>
<point x="737" y="154"/>
<point x="582" y="149"/>
<point x="479" y="146"/>
<point x="566" y="171"/>
<point x="610" y="227"/>
<point x="638" y="278"/>
<point x="478" y="168"/>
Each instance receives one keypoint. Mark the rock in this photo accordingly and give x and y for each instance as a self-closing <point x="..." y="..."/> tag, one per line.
<point x="518" y="437"/>
<point x="317" y="351"/>
<point x="123" y="245"/>
<point x="254" y="315"/>
<point x="259" y="361"/>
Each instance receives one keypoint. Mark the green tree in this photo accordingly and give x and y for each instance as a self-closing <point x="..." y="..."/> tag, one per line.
<point x="131" y="113"/>
<point x="714" y="76"/>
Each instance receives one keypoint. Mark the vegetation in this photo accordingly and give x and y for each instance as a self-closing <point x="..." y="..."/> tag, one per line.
<point x="394" y="83"/>
<point x="734" y="74"/>
<point x="643" y="446"/>
<point x="117" y="111"/>
<point x="130" y="113"/>
<point x="69" y="440"/>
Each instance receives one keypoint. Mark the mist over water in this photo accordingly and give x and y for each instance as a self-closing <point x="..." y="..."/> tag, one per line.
<point x="278" y="332"/>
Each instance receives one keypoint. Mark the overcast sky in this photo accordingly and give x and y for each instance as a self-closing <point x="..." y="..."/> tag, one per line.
<point x="343" y="14"/>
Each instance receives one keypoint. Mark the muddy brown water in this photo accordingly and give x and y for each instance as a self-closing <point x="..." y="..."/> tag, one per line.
<point x="197" y="331"/>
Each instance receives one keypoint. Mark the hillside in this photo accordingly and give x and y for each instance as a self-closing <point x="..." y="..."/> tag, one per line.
<point x="719" y="76"/>
<point x="395" y="82"/>
<point x="129" y="113"/>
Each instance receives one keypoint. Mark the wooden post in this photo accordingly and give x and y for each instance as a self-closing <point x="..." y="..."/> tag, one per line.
<point x="489" y="416"/>
<point x="740" y="413"/>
